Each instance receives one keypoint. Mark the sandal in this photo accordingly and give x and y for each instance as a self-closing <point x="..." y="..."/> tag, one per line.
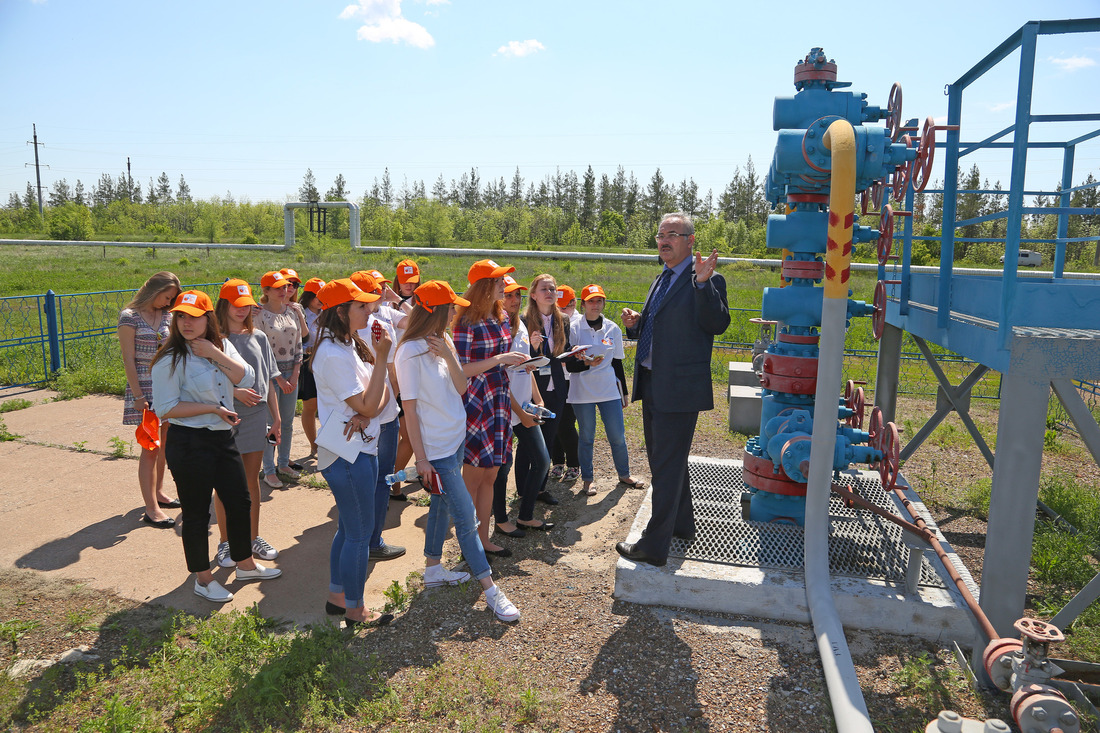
<point x="634" y="484"/>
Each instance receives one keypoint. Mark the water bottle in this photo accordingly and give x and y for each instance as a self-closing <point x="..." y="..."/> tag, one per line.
<point x="405" y="474"/>
<point x="540" y="412"/>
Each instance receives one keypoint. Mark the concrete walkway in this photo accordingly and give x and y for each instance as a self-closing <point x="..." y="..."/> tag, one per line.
<point x="73" y="514"/>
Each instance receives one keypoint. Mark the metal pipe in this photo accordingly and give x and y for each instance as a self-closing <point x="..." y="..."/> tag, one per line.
<point x="849" y="707"/>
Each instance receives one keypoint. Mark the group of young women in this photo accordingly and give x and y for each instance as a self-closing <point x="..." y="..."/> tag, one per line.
<point x="418" y="373"/>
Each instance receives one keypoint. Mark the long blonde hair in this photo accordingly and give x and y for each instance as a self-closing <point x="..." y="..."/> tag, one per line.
<point x="533" y="317"/>
<point x="482" y="304"/>
<point x="153" y="287"/>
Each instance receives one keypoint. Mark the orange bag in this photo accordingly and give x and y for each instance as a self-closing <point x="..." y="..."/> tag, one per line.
<point x="148" y="432"/>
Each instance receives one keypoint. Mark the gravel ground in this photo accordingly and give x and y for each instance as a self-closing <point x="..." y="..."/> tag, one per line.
<point x="599" y="664"/>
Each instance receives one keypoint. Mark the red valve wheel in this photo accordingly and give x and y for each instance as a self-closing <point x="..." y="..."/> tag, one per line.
<point x="849" y="388"/>
<point x="893" y="107"/>
<point x="1037" y="630"/>
<point x="857" y="403"/>
<point x="886" y="235"/>
<point x="890" y="467"/>
<point x="864" y="200"/>
<point x="920" y="170"/>
<point x="878" y="318"/>
<point x="874" y="426"/>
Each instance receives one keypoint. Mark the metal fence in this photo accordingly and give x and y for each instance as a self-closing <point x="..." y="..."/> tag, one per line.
<point x="41" y="334"/>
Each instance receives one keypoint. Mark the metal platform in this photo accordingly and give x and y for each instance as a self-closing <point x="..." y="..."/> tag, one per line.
<point x="861" y="544"/>
<point x="753" y="568"/>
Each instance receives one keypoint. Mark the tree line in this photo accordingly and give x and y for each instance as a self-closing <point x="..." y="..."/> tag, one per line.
<point x="562" y="209"/>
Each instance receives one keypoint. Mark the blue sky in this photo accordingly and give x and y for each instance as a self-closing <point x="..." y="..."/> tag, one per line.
<point x="243" y="96"/>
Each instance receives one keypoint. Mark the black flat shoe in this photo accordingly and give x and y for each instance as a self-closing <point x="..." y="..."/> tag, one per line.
<point x="172" y="504"/>
<point x="398" y="497"/>
<point x="333" y="610"/>
<point x="544" y="527"/>
<point x="162" y="524"/>
<point x="502" y="552"/>
<point x="296" y="466"/>
<point x="632" y="553"/>
<point x="383" y="620"/>
<point x="518" y="532"/>
<point x="547" y="498"/>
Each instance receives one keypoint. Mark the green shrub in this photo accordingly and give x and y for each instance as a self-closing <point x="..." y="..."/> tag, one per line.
<point x="71" y="222"/>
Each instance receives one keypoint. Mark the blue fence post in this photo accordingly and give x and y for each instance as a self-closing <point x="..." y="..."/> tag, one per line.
<point x="52" y="332"/>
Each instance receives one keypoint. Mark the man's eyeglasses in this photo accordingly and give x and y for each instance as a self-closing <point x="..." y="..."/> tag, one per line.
<point x="670" y="235"/>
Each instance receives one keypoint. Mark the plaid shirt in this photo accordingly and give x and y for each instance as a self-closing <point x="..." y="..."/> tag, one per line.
<point x="488" y="406"/>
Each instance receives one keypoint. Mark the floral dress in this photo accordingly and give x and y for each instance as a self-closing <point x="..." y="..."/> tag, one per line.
<point x="487" y="402"/>
<point x="146" y="341"/>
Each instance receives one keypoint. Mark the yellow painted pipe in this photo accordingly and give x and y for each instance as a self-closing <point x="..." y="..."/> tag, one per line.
<point x="840" y="138"/>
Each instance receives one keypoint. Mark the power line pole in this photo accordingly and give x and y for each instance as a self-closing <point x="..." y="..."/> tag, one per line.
<point x="129" y="181"/>
<point x="37" y="173"/>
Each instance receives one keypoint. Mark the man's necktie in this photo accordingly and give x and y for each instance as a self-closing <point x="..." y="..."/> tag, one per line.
<point x="645" y="342"/>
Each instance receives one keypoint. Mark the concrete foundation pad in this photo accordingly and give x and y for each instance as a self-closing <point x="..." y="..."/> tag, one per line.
<point x="741" y="374"/>
<point x="933" y="612"/>
<point x="744" y="409"/>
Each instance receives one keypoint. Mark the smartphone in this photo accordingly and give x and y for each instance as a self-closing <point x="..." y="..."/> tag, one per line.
<point x="271" y="439"/>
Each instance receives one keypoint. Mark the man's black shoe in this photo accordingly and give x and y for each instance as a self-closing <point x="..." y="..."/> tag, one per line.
<point x="684" y="536"/>
<point x="631" y="552"/>
<point x="547" y="498"/>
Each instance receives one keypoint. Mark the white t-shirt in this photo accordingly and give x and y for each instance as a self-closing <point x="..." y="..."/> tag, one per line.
<point x="519" y="380"/>
<point x="390" y="409"/>
<point x="425" y="378"/>
<point x="340" y="373"/>
<point x="598" y="383"/>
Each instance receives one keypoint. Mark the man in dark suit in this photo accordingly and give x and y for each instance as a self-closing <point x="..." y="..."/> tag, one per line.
<point x="685" y="309"/>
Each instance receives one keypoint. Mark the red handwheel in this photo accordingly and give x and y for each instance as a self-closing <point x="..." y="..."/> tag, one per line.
<point x="886" y="235"/>
<point x="893" y="108"/>
<point x="920" y="170"/>
<point x="878" y="318"/>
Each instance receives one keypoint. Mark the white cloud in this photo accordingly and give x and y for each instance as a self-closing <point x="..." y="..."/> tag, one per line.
<point x="437" y="2"/>
<point x="1001" y="106"/>
<point x="520" y="48"/>
<point x="1072" y="63"/>
<point x="383" y="21"/>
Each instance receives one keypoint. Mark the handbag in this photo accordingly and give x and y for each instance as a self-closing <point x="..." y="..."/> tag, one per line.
<point x="148" y="430"/>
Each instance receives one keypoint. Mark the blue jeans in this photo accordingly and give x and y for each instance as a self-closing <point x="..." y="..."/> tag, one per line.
<point x="611" y="412"/>
<point x="454" y="502"/>
<point x="287" y="404"/>
<point x="387" y="454"/>
<point x="352" y="486"/>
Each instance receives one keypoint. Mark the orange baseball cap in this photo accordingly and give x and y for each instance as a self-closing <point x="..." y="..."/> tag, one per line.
<point x="486" y="268"/>
<point x="237" y="292"/>
<point x="313" y="285"/>
<point x="379" y="277"/>
<point x="365" y="281"/>
<point x="565" y="295"/>
<point x="593" y="291"/>
<point x="290" y="275"/>
<point x="407" y="272"/>
<point x="273" y="279"/>
<point x="511" y="285"/>
<point x="343" y="290"/>
<point x="436" y="292"/>
<point x="193" y="303"/>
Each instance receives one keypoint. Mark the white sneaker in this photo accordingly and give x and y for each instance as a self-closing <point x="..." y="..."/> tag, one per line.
<point x="437" y="575"/>
<point x="262" y="550"/>
<point x="260" y="573"/>
<point x="504" y="609"/>
<point x="213" y="591"/>
<point x="223" y="558"/>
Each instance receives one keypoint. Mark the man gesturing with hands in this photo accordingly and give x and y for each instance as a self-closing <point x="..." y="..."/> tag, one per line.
<point x="685" y="309"/>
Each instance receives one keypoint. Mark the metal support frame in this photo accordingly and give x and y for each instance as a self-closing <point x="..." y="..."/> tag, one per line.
<point x="353" y="218"/>
<point x="950" y="398"/>
<point x="1011" y="526"/>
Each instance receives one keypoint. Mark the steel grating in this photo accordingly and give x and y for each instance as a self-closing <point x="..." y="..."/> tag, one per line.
<point x="861" y="544"/>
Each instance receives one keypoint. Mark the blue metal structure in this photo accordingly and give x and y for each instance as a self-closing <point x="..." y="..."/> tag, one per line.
<point x="776" y="460"/>
<point x="1040" y="333"/>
